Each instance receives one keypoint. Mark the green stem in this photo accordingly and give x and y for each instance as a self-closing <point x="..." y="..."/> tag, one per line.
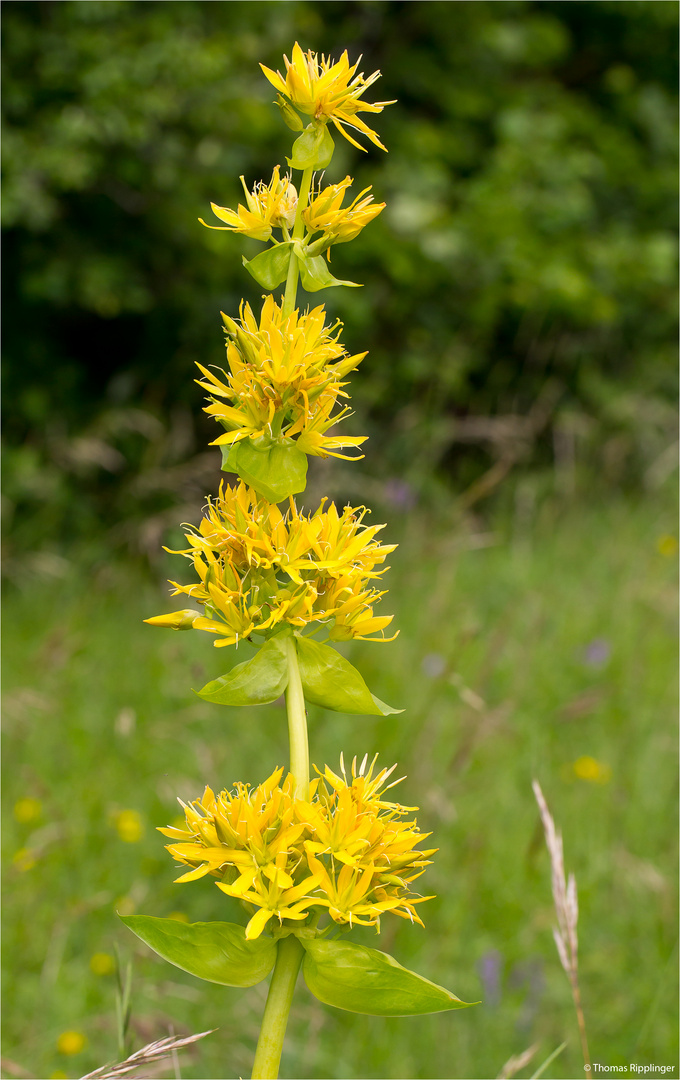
<point x="298" y="229"/>
<point x="297" y="724"/>
<point x="272" y="1033"/>
<point x="289" y="950"/>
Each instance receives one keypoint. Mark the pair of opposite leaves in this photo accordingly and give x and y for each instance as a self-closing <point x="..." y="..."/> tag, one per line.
<point x="327" y="679"/>
<point x="339" y="973"/>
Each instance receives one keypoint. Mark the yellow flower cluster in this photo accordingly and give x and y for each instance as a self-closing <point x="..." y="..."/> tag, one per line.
<point x="344" y="849"/>
<point x="325" y="212"/>
<point x="274" y="206"/>
<point x="326" y="90"/>
<point x="260" y="569"/>
<point x="268" y="206"/>
<point x="286" y="375"/>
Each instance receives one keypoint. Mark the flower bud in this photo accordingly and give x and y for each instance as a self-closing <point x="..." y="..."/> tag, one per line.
<point x="290" y="117"/>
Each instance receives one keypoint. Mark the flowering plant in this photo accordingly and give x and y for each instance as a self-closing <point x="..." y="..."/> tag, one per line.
<point x="307" y="858"/>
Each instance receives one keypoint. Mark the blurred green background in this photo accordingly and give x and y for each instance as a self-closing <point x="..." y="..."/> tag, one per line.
<point x="519" y="310"/>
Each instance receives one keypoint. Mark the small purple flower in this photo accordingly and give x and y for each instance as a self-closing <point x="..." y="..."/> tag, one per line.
<point x="490" y="966"/>
<point x="433" y="665"/>
<point x="400" y="494"/>
<point x="597" y="652"/>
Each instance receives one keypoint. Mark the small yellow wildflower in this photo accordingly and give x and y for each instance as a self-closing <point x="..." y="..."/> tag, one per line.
<point x="587" y="768"/>
<point x="325" y="212"/>
<point x="326" y="90"/>
<point x="268" y="206"/>
<point x="667" y="545"/>
<point x="71" y="1042"/>
<point x="25" y="859"/>
<point x="286" y="376"/>
<point x="129" y="826"/>
<point x="344" y="848"/>
<point x="259" y="569"/>
<point x="27" y="810"/>
<point x="102" y="963"/>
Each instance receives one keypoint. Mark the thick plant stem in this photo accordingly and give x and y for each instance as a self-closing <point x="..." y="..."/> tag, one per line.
<point x="297" y="724"/>
<point x="270" y="1044"/>
<point x="298" y="229"/>
<point x="289" y="950"/>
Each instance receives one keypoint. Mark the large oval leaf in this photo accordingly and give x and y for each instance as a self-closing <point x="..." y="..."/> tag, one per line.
<point x="362" y="980"/>
<point x="330" y="681"/>
<point x="275" y="469"/>
<point x="215" y="951"/>
<point x="255" y="682"/>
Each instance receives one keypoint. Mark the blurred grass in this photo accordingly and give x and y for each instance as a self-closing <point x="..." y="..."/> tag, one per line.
<point x="522" y="649"/>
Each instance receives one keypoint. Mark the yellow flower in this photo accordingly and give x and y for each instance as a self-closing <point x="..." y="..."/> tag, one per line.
<point x="71" y="1042"/>
<point x="258" y="569"/>
<point x="286" y="376"/>
<point x="587" y="768"/>
<point x="27" y="810"/>
<point x="129" y="826"/>
<point x="102" y="963"/>
<point x="25" y="859"/>
<point x="343" y="848"/>
<point x="325" y="212"/>
<point x="268" y="206"/>
<point x="667" y="545"/>
<point x="326" y="90"/>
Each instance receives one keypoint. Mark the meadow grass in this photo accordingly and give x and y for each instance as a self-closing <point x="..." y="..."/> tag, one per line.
<point x="523" y="649"/>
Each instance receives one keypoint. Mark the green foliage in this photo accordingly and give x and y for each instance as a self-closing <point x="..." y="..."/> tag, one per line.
<point x="215" y="951"/>
<point x="275" y="467"/>
<point x="270" y="267"/>
<point x="315" y="275"/>
<point x="255" y="682"/>
<point x="363" y="980"/>
<point x="494" y="668"/>
<point x="330" y="681"/>
<point x="519" y="303"/>
<point x="313" y="149"/>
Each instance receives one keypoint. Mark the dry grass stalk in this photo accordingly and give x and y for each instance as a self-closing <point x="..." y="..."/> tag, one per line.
<point x="566" y="907"/>
<point x="141" y="1059"/>
<point x="517" y="1062"/>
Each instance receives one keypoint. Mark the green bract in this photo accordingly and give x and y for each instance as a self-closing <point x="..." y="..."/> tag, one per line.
<point x="313" y="149"/>
<point x="255" y="682"/>
<point x="215" y="951"/>
<point x="270" y="267"/>
<point x="363" y="980"/>
<point x="276" y="468"/>
<point x="315" y="275"/>
<point x="330" y="681"/>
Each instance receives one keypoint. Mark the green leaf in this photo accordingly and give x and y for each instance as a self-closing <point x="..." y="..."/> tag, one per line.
<point x="276" y="469"/>
<point x="256" y="682"/>
<point x="313" y="149"/>
<point x="315" y="275"/>
<point x="331" y="681"/>
<point x="363" y="980"/>
<point x="215" y="951"/>
<point x="229" y="457"/>
<point x="270" y="267"/>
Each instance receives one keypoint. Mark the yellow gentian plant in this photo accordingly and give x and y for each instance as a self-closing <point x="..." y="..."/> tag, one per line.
<point x="308" y="858"/>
